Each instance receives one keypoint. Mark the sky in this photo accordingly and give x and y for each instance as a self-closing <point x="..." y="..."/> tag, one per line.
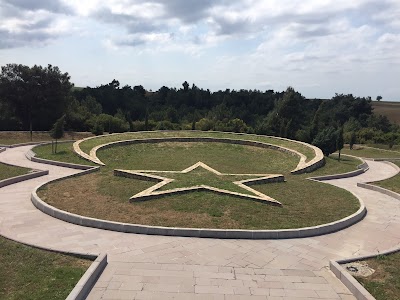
<point x="319" y="47"/>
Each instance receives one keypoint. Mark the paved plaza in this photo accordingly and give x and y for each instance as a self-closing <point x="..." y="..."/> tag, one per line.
<point x="162" y="267"/>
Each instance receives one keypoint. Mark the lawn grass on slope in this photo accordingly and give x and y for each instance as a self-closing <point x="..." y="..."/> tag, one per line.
<point x="107" y="197"/>
<point x="368" y="152"/>
<point x="7" y="171"/>
<point x="384" y="284"/>
<point x="27" y="273"/>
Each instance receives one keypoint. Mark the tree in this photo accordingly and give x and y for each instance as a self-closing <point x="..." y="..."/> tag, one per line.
<point x="39" y="96"/>
<point x="352" y="140"/>
<point x="57" y="132"/>
<point x="378" y="98"/>
<point x="326" y="140"/>
<point x="339" y="141"/>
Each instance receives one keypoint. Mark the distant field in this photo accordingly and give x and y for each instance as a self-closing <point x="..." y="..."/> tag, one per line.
<point x="389" y="109"/>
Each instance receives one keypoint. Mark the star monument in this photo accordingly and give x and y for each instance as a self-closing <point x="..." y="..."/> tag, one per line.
<point x="201" y="177"/>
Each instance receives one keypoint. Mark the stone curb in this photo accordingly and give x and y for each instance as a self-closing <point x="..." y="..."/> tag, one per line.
<point x="350" y="282"/>
<point x="193" y="232"/>
<point x="89" y="279"/>
<point x="12" y="180"/>
<point x="362" y="168"/>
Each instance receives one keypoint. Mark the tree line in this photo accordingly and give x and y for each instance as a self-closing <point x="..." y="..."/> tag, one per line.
<point x="35" y="97"/>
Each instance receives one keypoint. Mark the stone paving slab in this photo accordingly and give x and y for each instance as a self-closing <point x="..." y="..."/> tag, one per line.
<point x="162" y="267"/>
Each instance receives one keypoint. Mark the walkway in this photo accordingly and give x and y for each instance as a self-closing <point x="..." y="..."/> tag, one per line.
<point x="159" y="267"/>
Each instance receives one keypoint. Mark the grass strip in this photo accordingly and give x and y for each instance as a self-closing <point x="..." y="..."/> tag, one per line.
<point x="29" y="274"/>
<point x="384" y="284"/>
<point x="7" y="171"/>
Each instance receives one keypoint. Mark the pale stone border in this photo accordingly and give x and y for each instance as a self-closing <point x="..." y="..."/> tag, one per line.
<point x="152" y="192"/>
<point x="303" y="166"/>
<point x="16" y="179"/>
<point x="89" y="279"/>
<point x="348" y="280"/>
<point x="362" y="168"/>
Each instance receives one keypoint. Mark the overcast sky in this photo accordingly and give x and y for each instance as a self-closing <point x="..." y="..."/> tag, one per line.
<point x="320" y="47"/>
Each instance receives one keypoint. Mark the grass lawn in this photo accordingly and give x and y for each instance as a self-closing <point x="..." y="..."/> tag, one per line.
<point x="393" y="183"/>
<point x="64" y="153"/>
<point x="384" y="284"/>
<point x="7" y="171"/>
<point x="385" y="147"/>
<point x="29" y="273"/>
<point x="370" y="152"/>
<point x="17" y="137"/>
<point x="107" y="196"/>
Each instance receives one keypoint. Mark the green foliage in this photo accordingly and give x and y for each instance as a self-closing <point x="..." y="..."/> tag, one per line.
<point x="339" y="140"/>
<point x="109" y="123"/>
<point x="326" y="140"/>
<point x="205" y="124"/>
<point x="353" y="139"/>
<point x="37" y="96"/>
<point x="97" y="129"/>
<point x="41" y="95"/>
<point x="57" y="132"/>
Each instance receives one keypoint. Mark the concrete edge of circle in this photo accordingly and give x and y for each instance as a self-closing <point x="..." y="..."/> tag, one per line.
<point x="335" y="266"/>
<point x="89" y="279"/>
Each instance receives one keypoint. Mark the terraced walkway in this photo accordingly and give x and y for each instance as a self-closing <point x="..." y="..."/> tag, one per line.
<point x="160" y="267"/>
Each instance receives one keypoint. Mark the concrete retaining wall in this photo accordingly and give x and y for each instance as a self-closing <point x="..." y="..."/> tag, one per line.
<point x="350" y="282"/>
<point x="361" y="169"/>
<point x="89" y="279"/>
<point x="24" y="177"/>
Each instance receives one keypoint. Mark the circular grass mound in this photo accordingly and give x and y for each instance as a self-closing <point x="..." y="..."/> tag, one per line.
<point x="105" y="196"/>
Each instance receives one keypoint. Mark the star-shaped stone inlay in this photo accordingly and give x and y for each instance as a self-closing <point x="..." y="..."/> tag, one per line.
<point x="217" y="182"/>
